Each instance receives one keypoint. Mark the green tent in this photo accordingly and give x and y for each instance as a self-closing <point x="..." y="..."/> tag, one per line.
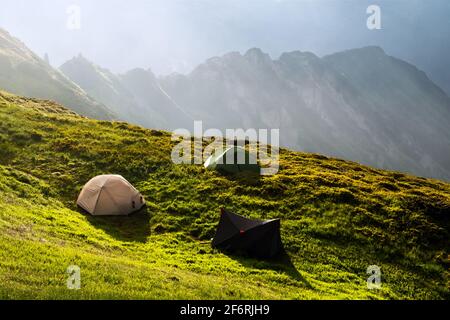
<point x="233" y="160"/>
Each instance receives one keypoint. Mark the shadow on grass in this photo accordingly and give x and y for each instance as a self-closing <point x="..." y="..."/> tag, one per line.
<point x="132" y="228"/>
<point x="281" y="263"/>
<point x="244" y="178"/>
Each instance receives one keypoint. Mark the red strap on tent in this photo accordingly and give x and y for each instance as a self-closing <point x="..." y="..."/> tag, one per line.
<point x="242" y="232"/>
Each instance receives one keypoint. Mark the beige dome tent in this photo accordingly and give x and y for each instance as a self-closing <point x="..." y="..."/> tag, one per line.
<point x="110" y="195"/>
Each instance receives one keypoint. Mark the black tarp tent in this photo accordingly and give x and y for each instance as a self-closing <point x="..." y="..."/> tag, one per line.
<point x="254" y="237"/>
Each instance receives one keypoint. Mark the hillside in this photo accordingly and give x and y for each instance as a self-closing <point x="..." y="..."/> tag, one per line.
<point x="361" y="104"/>
<point x="23" y="72"/>
<point x="338" y="218"/>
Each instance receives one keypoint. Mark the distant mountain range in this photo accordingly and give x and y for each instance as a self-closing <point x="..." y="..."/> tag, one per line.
<point x="360" y="104"/>
<point x="136" y="96"/>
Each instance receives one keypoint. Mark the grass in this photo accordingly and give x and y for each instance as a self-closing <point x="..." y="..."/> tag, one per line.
<point x="338" y="218"/>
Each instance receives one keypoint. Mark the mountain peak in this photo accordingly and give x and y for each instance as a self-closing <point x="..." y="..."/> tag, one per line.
<point x="3" y="32"/>
<point x="80" y="59"/>
<point x="140" y="73"/>
<point x="364" y="51"/>
<point x="6" y="35"/>
<point x="254" y="51"/>
<point x="232" y="55"/>
<point x="370" y="50"/>
<point x="256" y="54"/>
<point x="16" y="49"/>
<point x="373" y="49"/>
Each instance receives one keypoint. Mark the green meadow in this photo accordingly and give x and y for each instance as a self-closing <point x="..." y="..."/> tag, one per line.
<point x="337" y="219"/>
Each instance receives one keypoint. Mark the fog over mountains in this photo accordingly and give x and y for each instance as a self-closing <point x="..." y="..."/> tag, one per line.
<point x="135" y="96"/>
<point x="359" y="104"/>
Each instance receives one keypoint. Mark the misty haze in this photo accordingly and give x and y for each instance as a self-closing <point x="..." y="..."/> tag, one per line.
<point x="339" y="188"/>
<point x="329" y="83"/>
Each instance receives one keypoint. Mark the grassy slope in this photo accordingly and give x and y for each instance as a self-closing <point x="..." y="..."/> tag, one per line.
<point x="337" y="219"/>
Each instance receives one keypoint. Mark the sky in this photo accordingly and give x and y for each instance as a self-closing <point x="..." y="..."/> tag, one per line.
<point x="176" y="35"/>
